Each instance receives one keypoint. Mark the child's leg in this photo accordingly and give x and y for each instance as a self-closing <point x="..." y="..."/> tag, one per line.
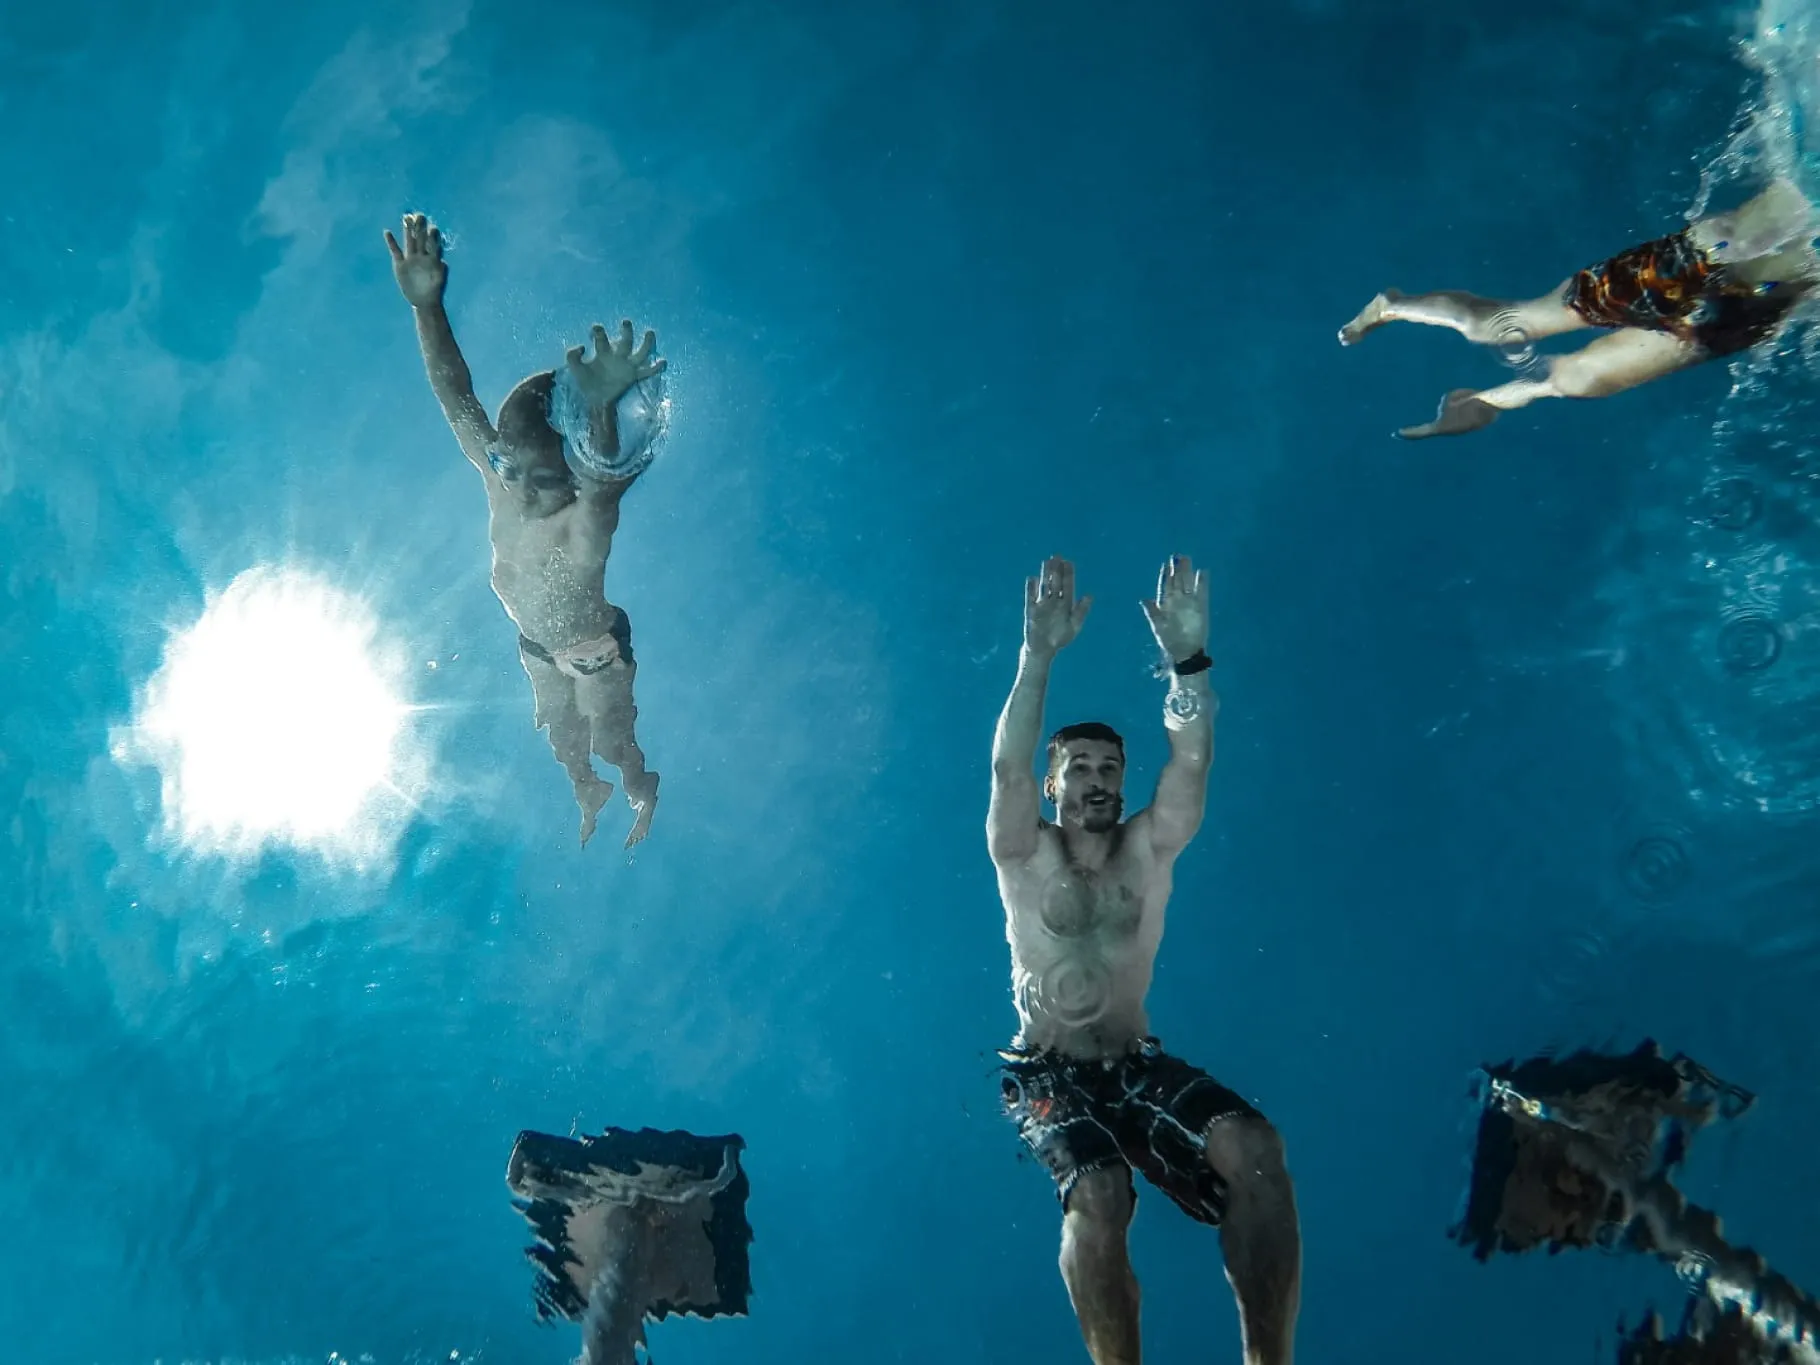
<point x="605" y="699"/>
<point x="556" y="709"/>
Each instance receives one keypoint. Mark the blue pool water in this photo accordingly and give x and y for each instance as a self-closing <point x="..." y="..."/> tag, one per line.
<point x="946" y="288"/>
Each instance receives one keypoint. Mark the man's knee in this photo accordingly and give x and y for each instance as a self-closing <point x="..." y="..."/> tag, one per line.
<point x="1245" y="1147"/>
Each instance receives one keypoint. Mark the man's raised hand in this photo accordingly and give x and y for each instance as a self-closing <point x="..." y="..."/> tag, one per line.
<point x="1178" y="616"/>
<point x="1052" y="616"/>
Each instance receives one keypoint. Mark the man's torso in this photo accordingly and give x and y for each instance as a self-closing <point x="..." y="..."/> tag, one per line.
<point x="1084" y="942"/>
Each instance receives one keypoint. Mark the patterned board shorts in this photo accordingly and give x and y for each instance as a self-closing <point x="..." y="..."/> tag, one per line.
<point x="1146" y="1111"/>
<point x="1668" y="285"/>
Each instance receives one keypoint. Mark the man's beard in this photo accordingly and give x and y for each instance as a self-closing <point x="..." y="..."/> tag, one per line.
<point x="1098" y="817"/>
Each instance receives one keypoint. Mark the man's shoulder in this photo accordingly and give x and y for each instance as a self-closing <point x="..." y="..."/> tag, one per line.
<point x="1134" y="837"/>
<point x="1046" y="848"/>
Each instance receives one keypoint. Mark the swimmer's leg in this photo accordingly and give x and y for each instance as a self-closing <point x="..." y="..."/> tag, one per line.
<point x="1260" y="1235"/>
<point x="1096" y="1265"/>
<point x="1611" y="364"/>
<point x="1491" y="322"/>
<point x="1775" y="219"/>
<point x="605" y="701"/>
<point x="556" y="709"/>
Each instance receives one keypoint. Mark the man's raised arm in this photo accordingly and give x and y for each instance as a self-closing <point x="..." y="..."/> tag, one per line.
<point x="422" y="276"/>
<point x="1051" y="619"/>
<point x="1178" y="618"/>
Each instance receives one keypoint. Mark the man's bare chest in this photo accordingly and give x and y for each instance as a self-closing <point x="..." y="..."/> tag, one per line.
<point x="1070" y="902"/>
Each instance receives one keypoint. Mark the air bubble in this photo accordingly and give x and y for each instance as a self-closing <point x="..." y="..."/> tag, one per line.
<point x="1656" y="867"/>
<point x="1694" y="1268"/>
<point x="1749" y="643"/>
<point x="1515" y="347"/>
<point x="1074" y="993"/>
<point x="1730" y="504"/>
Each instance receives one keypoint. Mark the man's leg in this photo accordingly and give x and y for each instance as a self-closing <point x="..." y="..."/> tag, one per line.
<point x="1621" y="360"/>
<point x="606" y="703"/>
<point x="1096" y="1265"/>
<point x="1260" y="1236"/>
<point x="556" y="709"/>
<point x="1490" y="322"/>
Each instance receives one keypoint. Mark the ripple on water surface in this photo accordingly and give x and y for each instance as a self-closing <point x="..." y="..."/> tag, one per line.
<point x="1714" y="608"/>
<point x="1717" y="610"/>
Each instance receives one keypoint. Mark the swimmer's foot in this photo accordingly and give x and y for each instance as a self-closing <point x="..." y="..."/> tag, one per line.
<point x="1372" y="316"/>
<point x="1462" y="410"/>
<point x="591" y="794"/>
<point x="644" y="803"/>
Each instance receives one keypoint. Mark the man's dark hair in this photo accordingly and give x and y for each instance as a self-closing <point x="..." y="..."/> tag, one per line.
<point x="1086" y="729"/>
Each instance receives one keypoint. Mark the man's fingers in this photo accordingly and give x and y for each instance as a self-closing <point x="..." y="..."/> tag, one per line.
<point x="1177" y="577"/>
<point x="1080" y="611"/>
<point x="1030" y="593"/>
<point x="434" y="241"/>
<point x="574" y="354"/>
<point x="645" y="348"/>
<point x="644" y="372"/>
<point x="626" y="334"/>
<point x="602" y="345"/>
<point x="392" y="246"/>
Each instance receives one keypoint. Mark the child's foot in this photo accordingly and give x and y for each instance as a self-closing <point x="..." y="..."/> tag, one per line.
<point x="591" y="794"/>
<point x="642" y="793"/>
<point x="1370" y="317"/>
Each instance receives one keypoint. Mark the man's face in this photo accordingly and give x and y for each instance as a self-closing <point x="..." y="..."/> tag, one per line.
<point x="1086" y="784"/>
<point x="534" y="474"/>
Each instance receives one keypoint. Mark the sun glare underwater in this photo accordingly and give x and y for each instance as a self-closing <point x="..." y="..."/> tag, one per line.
<point x="277" y="719"/>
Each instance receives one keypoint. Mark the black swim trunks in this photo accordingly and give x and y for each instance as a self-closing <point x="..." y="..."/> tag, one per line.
<point x="619" y="627"/>
<point x="1669" y="285"/>
<point x="1145" y="1111"/>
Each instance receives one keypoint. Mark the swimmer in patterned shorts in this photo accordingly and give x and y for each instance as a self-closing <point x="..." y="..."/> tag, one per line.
<point x="1092" y="1094"/>
<point x="1717" y="287"/>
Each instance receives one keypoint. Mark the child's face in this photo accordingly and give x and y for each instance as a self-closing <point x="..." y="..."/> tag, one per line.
<point x="537" y="479"/>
